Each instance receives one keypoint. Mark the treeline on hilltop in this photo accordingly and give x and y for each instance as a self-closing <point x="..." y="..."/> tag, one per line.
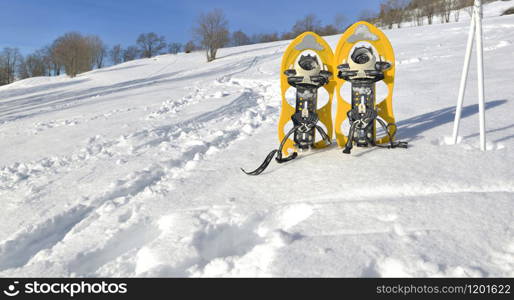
<point x="74" y="53"/>
<point x="419" y="12"/>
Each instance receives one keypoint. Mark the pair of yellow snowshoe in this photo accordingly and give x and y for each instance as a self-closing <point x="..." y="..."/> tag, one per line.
<point x="309" y="67"/>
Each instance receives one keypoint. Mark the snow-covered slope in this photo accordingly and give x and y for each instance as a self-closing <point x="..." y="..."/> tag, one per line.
<point x="133" y="170"/>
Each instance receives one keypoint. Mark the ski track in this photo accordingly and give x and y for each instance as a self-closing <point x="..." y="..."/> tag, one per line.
<point x="19" y="171"/>
<point x="42" y="126"/>
<point x="18" y="250"/>
<point x="27" y="243"/>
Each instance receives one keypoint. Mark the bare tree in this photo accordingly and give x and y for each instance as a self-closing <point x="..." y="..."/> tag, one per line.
<point x="429" y="10"/>
<point x="23" y="71"/>
<point x="269" y="37"/>
<point x="367" y="15"/>
<point x="98" y="50"/>
<point x="287" y="36"/>
<point x="46" y="56"/>
<point x="309" y="23"/>
<point x="256" y="38"/>
<point x="150" y="44"/>
<point x="419" y="16"/>
<point x="239" y="38"/>
<point x="440" y="10"/>
<point x="174" y="48"/>
<point x="413" y="8"/>
<point x="392" y="12"/>
<point x="340" y="22"/>
<point x="33" y="65"/>
<point x="212" y="31"/>
<point x="386" y="15"/>
<point x="54" y="66"/>
<point x="444" y="7"/>
<point x="116" y="54"/>
<point x="190" y="47"/>
<point x="131" y="53"/>
<point x="73" y="51"/>
<point x="400" y="10"/>
<point x="9" y="61"/>
<point x="328" y="30"/>
<point x="457" y="5"/>
<point x="468" y="6"/>
<point x="40" y="67"/>
<point x="4" y="74"/>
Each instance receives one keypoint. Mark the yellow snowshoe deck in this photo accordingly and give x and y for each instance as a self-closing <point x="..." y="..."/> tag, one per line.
<point x="364" y="32"/>
<point x="304" y="42"/>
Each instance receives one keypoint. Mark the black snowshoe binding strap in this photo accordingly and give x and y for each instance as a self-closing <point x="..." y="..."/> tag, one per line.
<point x="278" y="151"/>
<point x="279" y="158"/>
<point x="392" y="144"/>
<point x="264" y="164"/>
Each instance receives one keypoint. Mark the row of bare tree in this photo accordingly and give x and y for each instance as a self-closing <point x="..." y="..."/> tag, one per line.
<point x="308" y="23"/>
<point x="395" y="12"/>
<point x="212" y="32"/>
<point x="74" y="53"/>
<point x="9" y="60"/>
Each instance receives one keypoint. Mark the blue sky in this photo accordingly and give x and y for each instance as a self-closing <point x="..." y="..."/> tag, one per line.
<point x="31" y="24"/>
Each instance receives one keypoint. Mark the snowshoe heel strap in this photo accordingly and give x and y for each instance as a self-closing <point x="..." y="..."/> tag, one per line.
<point x="281" y="160"/>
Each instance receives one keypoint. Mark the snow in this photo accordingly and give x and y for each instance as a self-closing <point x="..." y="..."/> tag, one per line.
<point x="133" y="170"/>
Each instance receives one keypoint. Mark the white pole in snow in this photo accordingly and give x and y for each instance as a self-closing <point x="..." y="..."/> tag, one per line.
<point x="475" y="31"/>
<point x="464" y="79"/>
<point x="480" y="70"/>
